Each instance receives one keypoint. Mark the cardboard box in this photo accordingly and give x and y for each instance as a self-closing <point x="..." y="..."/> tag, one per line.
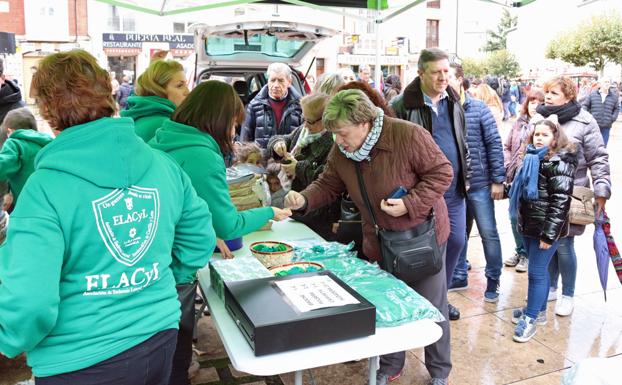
<point x="272" y="323"/>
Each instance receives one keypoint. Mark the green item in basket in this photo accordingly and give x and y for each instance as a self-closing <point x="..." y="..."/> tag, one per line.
<point x="297" y="270"/>
<point x="269" y="249"/>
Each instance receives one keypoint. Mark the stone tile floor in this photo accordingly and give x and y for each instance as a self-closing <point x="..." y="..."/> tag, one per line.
<point x="482" y="348"/>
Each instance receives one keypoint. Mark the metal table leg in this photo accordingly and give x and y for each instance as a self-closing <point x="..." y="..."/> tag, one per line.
<point x="374" y="365"/>
<point x="298" y="377"/>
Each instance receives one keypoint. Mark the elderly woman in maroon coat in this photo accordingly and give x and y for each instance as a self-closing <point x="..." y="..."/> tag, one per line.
<point x="391" y="153"/>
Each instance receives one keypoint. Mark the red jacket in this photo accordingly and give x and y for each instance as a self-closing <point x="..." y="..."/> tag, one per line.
<point x="405" y="155"/>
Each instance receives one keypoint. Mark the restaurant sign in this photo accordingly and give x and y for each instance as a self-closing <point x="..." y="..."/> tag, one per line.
<point x="136" y="40"/>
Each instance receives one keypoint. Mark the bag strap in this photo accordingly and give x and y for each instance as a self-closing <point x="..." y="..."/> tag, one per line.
<point x="359" y="175"/>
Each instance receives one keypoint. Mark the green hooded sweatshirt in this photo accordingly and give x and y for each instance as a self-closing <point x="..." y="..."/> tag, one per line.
<point x="199" y="155"/>
<point x="17" y="157"/>
<point x="148" y="112"/>
<point x="86" y="272"/>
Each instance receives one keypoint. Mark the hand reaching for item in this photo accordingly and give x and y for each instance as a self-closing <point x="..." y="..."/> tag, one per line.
<point x="294" y="200"/>
<point x="280" y="214"/>
<point x="280" y="148"/>
<point x="393" y="207"/>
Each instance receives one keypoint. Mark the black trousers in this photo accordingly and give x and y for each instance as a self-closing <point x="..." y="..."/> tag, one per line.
<point x="147" y="363"/>
<point x="437" y="355"/>
<point x="183" y="350"/>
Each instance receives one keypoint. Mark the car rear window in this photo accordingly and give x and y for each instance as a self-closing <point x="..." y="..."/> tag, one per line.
<point x="260" y="44"/>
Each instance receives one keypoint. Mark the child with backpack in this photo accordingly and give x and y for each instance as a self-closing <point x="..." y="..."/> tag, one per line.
<point x="540" y="200"/>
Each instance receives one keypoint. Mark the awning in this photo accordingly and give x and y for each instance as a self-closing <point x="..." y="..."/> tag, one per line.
<point x="174" y="7"/>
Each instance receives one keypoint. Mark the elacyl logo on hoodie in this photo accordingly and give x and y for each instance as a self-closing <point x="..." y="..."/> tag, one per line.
<point x="127" y="220"/>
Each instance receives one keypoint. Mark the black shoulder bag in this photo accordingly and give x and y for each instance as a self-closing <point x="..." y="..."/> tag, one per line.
<point x="409" y="255"/>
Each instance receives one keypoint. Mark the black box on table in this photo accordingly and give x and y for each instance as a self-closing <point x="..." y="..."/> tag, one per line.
<point x="271" y="323"/>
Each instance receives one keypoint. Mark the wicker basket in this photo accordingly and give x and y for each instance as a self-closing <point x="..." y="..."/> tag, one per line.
<point x="274" y="258"/>
<point x="302" y="265"/>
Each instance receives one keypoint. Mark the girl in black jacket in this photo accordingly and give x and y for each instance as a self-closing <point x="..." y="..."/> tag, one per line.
<point x="540" y="198"/>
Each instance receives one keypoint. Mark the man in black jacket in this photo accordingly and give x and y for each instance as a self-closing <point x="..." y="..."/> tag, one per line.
<point x="604" y="107"/>
<point x="430" y="103"/>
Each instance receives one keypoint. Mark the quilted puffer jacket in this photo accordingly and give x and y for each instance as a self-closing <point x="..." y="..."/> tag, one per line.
<point x="546" y="218"/>
<point x="484" y="145"/>
<point x="260" y="124"/>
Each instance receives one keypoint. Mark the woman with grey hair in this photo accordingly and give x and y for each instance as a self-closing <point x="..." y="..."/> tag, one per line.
<point x="389" y="153"/>
<point x="328" y="83"/>
<point x="303" y="155"/>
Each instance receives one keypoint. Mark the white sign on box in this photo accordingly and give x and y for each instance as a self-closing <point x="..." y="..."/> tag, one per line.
<point x="315" y="292"/>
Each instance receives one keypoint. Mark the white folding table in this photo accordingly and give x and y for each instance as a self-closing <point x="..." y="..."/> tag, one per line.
<point x="386" y="340"/>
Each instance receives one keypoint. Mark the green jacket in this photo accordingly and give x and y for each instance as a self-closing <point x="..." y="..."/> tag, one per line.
<point x="199" y="155"/>
<point x="17" y="157"/>
<point x="104" y="229"/>
<point x="148" y="112"/>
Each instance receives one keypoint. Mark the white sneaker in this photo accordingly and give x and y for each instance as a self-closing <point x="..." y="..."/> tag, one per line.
<point x="552" y="295"/>
<point x="564" y="306"/>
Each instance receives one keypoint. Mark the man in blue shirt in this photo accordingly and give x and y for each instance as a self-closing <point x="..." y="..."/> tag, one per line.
<point x="428" y="102"/>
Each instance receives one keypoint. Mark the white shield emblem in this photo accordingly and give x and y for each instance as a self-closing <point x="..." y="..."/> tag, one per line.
<point x="128" y="229"/>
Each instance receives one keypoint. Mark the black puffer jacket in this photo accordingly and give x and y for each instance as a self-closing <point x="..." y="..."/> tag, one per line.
<point x="546" y="218"/>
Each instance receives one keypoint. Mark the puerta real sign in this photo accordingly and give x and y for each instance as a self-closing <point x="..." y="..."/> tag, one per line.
<point x="136" y="40"/>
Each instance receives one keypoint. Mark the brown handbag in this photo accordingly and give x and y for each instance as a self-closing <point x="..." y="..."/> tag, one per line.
<point x="581" y="206"/>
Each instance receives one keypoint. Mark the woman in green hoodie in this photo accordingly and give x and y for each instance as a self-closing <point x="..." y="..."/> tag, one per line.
<point x="199" y="136"/>
<point x="159" y="91"/>
<point x="102" y="231"/>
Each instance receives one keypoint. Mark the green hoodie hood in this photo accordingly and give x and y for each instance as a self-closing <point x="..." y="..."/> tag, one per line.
<point x="35" y="137"/>
<point x="123" y="162"/>
<point x="148" y="112"/>
<point x="176" y="136"/>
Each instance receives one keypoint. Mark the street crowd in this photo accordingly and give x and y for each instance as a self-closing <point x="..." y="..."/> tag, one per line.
<point x="105" y="225"/>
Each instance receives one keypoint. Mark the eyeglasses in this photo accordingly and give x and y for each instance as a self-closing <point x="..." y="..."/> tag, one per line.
<point x="307" y="121"/>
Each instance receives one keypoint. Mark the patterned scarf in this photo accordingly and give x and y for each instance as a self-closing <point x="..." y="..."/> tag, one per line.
<point x="525" y="184"/>
<point x="305" y="139"/>
<point x="372" y="138"/>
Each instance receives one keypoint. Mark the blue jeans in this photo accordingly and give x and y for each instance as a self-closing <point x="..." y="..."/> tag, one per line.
<point x="456" y="207"/>
<point x="605" y="133"/>
<point x="148" y="363"/>
<point x="564" y="262"/>
<point x="512" y="108"/>
<point x="518" y="238"/>
<point x="538" y="289"/>
<point x="506" y="110"/>
<point x="481" y="208"/>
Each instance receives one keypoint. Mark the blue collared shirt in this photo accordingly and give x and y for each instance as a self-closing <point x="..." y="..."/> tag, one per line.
<point x="428" y="101"/>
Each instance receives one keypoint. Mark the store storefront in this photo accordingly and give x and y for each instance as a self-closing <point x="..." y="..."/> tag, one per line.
<point x="129" y="54"/>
